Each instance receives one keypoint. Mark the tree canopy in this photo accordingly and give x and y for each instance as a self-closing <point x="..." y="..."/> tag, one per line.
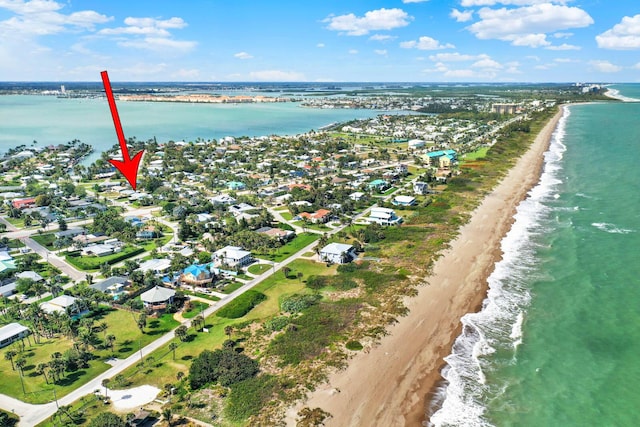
<point x="223" y="366"/>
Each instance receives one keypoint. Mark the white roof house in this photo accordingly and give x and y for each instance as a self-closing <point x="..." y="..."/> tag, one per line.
<point x="30" y="275"/>
<point x="157" y="297"/>
<point x="404" y="201"/>
<point x="158" y="265"/>
<point x="338" y="253"/>
<point x="223" y="199"/>
<point x="416" y="143"/>
<point x="232" y="256"/>
<point x="59" y="304"/>
<point x="11" y="332"/>
<point x="384" y="216"/>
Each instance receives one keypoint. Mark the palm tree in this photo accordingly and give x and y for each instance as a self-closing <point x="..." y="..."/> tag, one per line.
<point x="142" y="321"/>
<point x="167" y="414"/>
<point x="173" y="346"/>
<point x="228" y="330"/>
<point x="109" y="339"/>
<point x="198" y="322"/>
<point x="20" y="363"/>
<point x="41" y="369"/>
<point x="9" y="355"/>
<point x="181" y="332"/>
<point x="105" y="384"/>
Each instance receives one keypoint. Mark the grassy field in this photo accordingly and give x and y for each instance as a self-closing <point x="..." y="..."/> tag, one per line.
<point x="91" y="263"/>
<point x="258" y="268"/>
<point x="480" y="153"/>
<point x="45" y="240"/>
<point x="284" y="252"/>
<point x="196" y="308"/>
<point x="286" y="215"/>
<point x="231" y="287"/>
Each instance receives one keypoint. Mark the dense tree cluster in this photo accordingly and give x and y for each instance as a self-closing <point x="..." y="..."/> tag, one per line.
<point x="223" y="366"/>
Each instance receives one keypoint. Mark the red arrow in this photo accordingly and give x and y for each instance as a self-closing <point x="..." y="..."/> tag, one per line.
<point x="127" y="166"/>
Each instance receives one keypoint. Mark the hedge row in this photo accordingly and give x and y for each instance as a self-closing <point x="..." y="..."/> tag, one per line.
<point x="241" y="305"/>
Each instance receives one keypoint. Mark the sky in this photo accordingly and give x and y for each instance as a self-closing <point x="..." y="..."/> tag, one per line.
<point x="321" y="40"/>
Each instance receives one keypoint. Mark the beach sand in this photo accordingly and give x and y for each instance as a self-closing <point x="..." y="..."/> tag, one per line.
<point x="392" y="384"/>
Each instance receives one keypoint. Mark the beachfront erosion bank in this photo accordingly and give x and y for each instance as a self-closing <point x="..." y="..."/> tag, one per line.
<point x="392" y="384"/>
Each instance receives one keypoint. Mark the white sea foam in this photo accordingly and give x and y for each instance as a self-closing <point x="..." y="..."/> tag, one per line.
<point x="615" y="93"/>
<point x="611" y="228"/>
<point x="499" y="324"/>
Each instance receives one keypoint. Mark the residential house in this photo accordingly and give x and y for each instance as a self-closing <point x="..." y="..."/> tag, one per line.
<point x="61" y="304"/>
<point x="318" y="217"/>
<point x="383" y="216"/>
<point x="148" y="234"/>
<point x="338" y="253"/>
<point x="356" y="196"/>
<point x="8" y="288"/>
<point x="277" y="233"/>
<point x="101" y="249"/>
<point x="236" y="185"/>
<point x="420" y="188"/>
<point x="223" y="199"/>
<point x="378" y="185"/>
<point x="157" y="298"/>
<point x="404" y="201"/>
<point x="416" y="143"/>
<point x="232" y="256"/>
<point x="12" y="332"/>
<point x="442" y="159"/>
<point x="196" y="275"/>
<point x="28" y="202"/>
<point x="71" y="233"/>
<point x="30" y="275"/>
<point x="114" y="285"/>
<point x="157" y="265"/>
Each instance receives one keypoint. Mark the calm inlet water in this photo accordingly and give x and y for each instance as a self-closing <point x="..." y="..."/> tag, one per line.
<point x="50" y="120"/>
<point x="558" y="339"/>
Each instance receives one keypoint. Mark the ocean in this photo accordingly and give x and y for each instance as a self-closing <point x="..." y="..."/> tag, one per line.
<point x="50" y="120"/>
<point x="557" y="340"/>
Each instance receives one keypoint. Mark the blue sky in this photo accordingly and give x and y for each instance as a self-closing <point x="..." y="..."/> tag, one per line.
<point x="346" y="40"/>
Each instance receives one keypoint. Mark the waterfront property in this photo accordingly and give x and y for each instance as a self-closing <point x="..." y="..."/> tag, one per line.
<point x="196" y="275"/>
<point x="12" y="332"/>
<point x="338" y="253"/>
<point x="383" y="216"/>
<point x="232" y="256"/>
<point x="61" y="304"/>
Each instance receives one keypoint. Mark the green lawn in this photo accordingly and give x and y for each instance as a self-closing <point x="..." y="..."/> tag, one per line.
<point x="286" y="215"/>
<point x="196" y="308"/>
<point x="45" y="240"/>
<point x="478" y="154"/>
<point x="89" y="263"/>
<point x="258" y="268"/>
<point x="299" y="242"/>
<point x="233" y="286"/>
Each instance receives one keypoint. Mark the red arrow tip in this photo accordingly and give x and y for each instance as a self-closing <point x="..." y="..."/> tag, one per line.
<point x="129" y="168"/>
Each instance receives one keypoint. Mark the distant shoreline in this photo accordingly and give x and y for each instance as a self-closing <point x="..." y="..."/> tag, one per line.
<point x="393" y="384"/>
<point x="202" y="99"/>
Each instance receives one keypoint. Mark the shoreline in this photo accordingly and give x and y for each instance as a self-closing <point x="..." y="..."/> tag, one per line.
<point x="393" y="383"/>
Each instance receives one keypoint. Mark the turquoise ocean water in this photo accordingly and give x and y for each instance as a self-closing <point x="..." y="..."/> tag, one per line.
<point x="50" y="120"/>
<point x="557" y="342"/>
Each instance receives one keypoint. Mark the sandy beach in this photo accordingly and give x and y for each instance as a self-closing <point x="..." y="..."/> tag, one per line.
<point x="391" y="385"/>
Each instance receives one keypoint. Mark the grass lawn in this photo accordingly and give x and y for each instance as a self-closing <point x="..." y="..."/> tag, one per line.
<point x="151" y="244"/>
<point x="478" y="154"/>
<point x="244" y="276"/>
<point x="201" y="295"/>
<point x="45" y="240"/>
<point x="231" y="287"/>
<point x="286" y="215"/>
<point x="17" y="222"/>
<point x="258" y="268"/>
<point x="89" y="263"/>
<point x="299" y="242"/>
<point x="82" y="411"/>
<point x="196" y="308"/>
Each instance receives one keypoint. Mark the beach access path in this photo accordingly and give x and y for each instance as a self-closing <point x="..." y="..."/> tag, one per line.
<point x="391" y="385"/>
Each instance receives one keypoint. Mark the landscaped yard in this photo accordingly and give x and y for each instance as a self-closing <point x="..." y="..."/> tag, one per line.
<point x="120" y="323"/>
<point x="89" y="263"/>
<point x="258" y="269"/>
<point x="478" y="154"/>
<point x="284" y="252"/>
<point x="45" y="240"/>
<point x="233" y="286"/>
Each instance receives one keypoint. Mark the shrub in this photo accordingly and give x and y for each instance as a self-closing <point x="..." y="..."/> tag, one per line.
<point x="297" y="303"/>
<point x="241" y="305"/>
<point x="354" y="345"/>
<point x="249" y="396"/>
<point x="317" y="282"/>
<point x="345" y="285"/>
<point x="276" y="324"/>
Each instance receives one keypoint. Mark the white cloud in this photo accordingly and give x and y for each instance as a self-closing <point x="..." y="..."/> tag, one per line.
<point x="146" y="26"/>
<point x="455" y="57"/>
<point x="425" y="43"/>
<point x="564" y="46"/>
<point x="41" y="18"/>
<point x="185" y="74"/>
<point x="527" y="26"/>
<point x="380" y="19"/>
<point x="320" y="45"/>
<point x="173" y="22"/>
<point x="487" y="63"/>
<point x="623" y="36"/>
<point x="160" y="44"/>
<point x="381" y="37"/>
<point x="414" y="1"/>
<point x="277" y="76"/>
<point x="637" y="66"/>
<point x="243" y="55"/>
<point x="469" y="3"/>
<point x="461" y="16"/>
<point x="566" y="60"/>
<point x="382" y="52"/>
<point x="604" y="66"/>
<point x="353" y="51"/>
<point x="560" y="35"/>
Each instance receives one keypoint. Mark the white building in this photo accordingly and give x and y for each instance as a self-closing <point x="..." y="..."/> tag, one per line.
<point x="157" y="298"/>
<point x="404" y="201"/>
<point x="231" y="256"/>
<point x="420" y="187"/>
<point x="60" y="304"/>
<point x="338" y="253"/>
<point x="12" y="332"/>
<point x="158" y="266"/>
<point x="384" y="216"/>
<point x="416" y="143"/>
